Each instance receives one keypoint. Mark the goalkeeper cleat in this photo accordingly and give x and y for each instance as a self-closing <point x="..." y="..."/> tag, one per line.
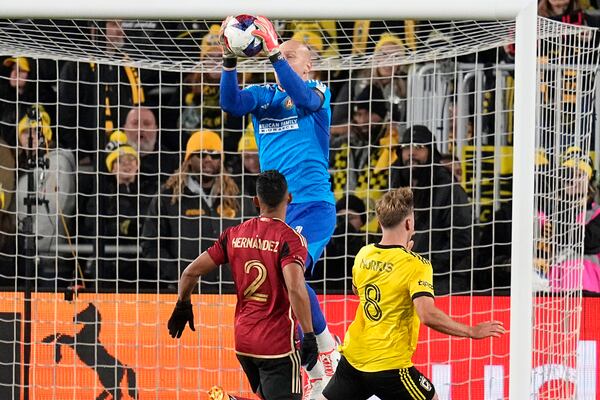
<point x="330" y="360"/>
<point x="313" y="389"/>
<point x="217" y="393"/>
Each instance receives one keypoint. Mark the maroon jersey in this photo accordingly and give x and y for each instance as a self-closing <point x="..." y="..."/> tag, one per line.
<point x="257" y="250"/>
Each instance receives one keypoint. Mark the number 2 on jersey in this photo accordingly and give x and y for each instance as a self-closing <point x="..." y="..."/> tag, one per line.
<point x="371" y="306"/>
<point x="250" y="292"/>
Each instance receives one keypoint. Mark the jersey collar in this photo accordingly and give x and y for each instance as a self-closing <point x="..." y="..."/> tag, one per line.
<point x="388" y="246"/>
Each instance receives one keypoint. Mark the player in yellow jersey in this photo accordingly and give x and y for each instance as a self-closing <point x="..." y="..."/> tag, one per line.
<point x="395" y="287"/>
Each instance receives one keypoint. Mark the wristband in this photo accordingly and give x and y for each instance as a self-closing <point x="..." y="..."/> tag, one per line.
<point x="229" y="62"/>
<point x="277" y="56"/>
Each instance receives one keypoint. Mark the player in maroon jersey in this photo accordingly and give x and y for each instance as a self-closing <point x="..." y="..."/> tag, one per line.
<point x="267" y="263"/>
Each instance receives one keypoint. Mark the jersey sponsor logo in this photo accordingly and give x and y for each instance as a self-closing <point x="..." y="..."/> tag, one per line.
<point x="255" y="243"/>
<point x="288" y="103"/>
<point x="268" y="125"/>
<point x="426" y="284"/>
<point x="375" y="265"/>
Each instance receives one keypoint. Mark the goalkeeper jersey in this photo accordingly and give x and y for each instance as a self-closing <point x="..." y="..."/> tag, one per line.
<point x="385" y="331"/>
<point x="294" y="141"/>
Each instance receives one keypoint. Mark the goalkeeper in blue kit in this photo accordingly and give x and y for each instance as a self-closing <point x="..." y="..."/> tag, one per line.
<point x="291" y="124"/>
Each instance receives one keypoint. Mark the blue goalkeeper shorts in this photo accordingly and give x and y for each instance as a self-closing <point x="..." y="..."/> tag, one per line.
<point x="316" y="222"/>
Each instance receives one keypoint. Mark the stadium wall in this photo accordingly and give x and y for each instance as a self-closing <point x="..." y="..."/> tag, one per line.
<point x="139" y="352"/>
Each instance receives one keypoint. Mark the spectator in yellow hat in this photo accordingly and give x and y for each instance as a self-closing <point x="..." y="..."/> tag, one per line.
<point x="248" y="148"/>
<point x="577" y="175"/>
<point x="115" y="214"/>
<point x="20" y="88"/>
<point x="53" y="173"/>
<point x="122" y="159"/>
<point x="251" y="168"/>
<point x="192" y="209"/>
<point x="19" y="72"/>
<point x="578" y="171"/>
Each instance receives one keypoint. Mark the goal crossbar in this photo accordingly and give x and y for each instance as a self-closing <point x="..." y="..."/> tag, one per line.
<point x="425" y="9"/>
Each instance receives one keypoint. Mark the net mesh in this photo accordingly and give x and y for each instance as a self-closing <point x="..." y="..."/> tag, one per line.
<point x="175" y="45"/>
<point x="565" y="205"/>
<point x="76" y="214"/>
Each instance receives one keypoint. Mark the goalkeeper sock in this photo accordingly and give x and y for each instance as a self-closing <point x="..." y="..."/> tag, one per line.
<point x="325" y="341"/>
<point x="318" y="319"/>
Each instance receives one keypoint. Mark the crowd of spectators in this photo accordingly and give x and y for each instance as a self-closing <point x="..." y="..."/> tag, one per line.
<point x="148" y="175"/>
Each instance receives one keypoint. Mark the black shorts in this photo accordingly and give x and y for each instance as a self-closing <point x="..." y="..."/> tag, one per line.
<point x="348" y="383"/>
<point x="274" y="378"/>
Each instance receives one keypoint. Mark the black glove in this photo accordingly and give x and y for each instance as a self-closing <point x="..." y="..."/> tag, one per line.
<point x="310" y="351"/>
<point x="182" y="314"/>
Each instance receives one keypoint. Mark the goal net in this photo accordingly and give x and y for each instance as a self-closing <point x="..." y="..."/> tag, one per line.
<point x="102" y="205"/>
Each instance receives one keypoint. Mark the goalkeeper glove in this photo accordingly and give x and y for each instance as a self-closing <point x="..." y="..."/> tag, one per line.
<point x="266" y="33"/>
<point x="182" y="314"/>
<point x="229" y="59"/>
<point x="310" y="351"/>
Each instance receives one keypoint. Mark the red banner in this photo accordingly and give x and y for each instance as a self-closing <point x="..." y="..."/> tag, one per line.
<point x="103" y="343"/>
<point x="461" y="368"/>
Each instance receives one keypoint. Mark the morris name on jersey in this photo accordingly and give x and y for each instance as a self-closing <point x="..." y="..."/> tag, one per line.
<point x="376" y="265"/>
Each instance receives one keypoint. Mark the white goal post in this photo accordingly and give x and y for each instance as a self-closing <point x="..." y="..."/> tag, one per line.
<point x="309" y="9"/>
<point x="525" y="13"/>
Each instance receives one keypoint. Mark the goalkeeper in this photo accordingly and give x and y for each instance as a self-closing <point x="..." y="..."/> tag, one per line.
<point x="291" y="124"/>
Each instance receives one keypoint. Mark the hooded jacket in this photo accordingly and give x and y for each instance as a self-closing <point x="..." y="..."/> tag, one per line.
<point x="443" y="214"/>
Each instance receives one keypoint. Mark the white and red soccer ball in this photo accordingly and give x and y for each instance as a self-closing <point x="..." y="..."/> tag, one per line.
<point x="239" y="38"/>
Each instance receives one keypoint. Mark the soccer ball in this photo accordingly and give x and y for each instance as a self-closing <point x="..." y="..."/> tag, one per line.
<point x="239" y="38"/>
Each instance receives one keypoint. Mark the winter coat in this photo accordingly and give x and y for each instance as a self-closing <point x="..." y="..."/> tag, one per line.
<point x="174" y="234"/>
<point x="443" y="225"/>
<point x="57" y="185"/>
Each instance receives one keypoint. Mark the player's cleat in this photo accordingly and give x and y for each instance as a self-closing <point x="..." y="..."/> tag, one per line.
<point x="330" y="360"/>
<point x="217" y="393"/>
<point x="313" y="389"/>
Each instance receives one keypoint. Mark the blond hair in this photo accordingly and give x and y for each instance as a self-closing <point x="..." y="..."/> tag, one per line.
<point x="394" y="207"/>
<point x="223" y="186"/>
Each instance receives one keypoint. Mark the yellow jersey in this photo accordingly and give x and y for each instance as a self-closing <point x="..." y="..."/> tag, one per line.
<point x="385" y="331"/>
